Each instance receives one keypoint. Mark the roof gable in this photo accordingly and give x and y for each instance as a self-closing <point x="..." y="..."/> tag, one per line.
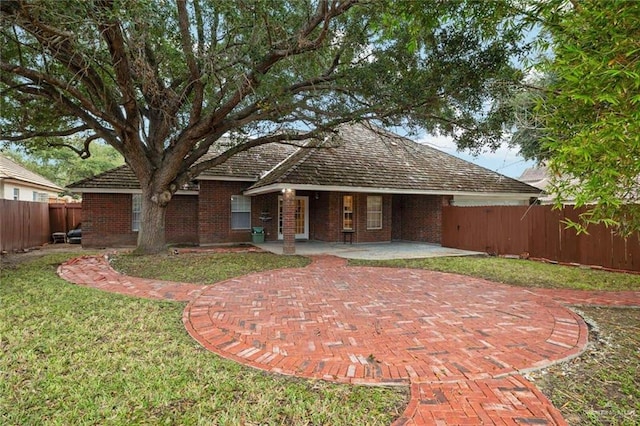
<point x="11" y="170"/>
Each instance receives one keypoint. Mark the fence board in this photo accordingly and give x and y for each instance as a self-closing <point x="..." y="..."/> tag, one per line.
<point x="539" y="231"/>
<point x="23" y="224"/>
<point x="64" y="217"/>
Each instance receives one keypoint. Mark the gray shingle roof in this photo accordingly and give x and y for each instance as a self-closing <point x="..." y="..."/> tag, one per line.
<point x="357" y="156"/>
<point x="121" y="177"/>
<point x="367" y="157"/>
<point x="248" y="165"/>
<point x="12" y="170"/>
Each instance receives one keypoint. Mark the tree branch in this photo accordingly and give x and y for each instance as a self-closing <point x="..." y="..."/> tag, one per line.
<point x="44" y="134"/>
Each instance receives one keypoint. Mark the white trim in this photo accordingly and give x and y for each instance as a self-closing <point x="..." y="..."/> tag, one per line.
<point x="33" y="185"/>
<point x="123" y="191"/>
<point x="265" y="174"/>
<point x="335" y="188"/>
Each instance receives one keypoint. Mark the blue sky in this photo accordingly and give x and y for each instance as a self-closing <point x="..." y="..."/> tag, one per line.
<point x="505" y="160"/>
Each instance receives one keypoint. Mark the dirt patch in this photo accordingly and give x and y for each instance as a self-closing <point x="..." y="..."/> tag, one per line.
<point x="10" y="260"/>
<point x="602" y="386"/>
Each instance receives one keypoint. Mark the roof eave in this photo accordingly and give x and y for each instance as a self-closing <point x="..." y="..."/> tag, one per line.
<point x="278" y="187"/>
<point x="122" y="191"/>
<point x="36" y="185"/>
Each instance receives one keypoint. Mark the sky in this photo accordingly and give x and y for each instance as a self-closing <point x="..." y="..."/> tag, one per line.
<point x="505" y="160"/>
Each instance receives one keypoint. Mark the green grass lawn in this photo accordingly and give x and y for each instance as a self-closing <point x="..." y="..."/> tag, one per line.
<point x="75" y="355"/>
<point x="523" y="273"/>
<point x="203" y="268"/>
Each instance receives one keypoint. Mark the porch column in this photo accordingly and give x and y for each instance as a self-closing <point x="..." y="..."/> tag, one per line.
<point x="289" y="221"/>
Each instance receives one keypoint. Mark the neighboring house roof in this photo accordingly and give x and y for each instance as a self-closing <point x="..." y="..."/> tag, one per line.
<point x="362" y="156"/>
<point x="536" y="176"/>
<point x="357" y="157"/>
<point x="11" y="170"/>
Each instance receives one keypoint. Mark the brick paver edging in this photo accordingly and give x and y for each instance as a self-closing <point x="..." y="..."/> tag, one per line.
<point x="461" y="342"/>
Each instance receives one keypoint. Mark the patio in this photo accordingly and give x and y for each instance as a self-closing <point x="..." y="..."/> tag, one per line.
<point x="371" y="251"/>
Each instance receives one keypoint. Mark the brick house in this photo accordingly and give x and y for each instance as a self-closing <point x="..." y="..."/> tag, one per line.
<point x="362" y="184"/>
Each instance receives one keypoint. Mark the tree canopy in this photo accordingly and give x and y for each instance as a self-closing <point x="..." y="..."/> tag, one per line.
<point x="162" y="81"/>
<point x="585" y="117"/>
<point x="64" y="166"/>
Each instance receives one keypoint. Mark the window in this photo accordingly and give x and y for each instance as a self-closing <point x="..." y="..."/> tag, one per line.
<point x="347" y="212"/>
<point x="240" y="212"/>
<point x="41" y="197"/>
<point x="374" y="212"/>
<point x="136" y="210"/>
<point x="16" y="193"/>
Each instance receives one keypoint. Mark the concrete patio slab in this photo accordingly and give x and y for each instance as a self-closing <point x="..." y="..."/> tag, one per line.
<point x="372" y="251"/>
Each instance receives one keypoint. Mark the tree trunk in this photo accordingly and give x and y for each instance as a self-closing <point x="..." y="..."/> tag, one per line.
<point x="151" y="235"/>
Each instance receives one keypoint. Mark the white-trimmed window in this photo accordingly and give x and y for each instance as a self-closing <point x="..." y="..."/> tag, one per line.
<point x="374" y="212"/>
<point x="16" y="193"/>
<point x="240" y="212"/>
<point x="41" y="197"/>
<point x="347" y="212"/>
<point x="136" y="211"/>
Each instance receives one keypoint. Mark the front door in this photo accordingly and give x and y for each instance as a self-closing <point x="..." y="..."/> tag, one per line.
<point x="302" y="218"/>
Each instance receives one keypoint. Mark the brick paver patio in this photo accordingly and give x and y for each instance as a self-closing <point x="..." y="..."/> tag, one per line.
<point x="461" y="343"/>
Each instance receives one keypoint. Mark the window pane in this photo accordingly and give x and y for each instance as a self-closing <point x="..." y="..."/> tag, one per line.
<point x="240" y="212"/>
<point x="374" y="212"/>
<point x="240" y="220"/>
<point x="136" y="210"/>
<point x="347" y="212"/>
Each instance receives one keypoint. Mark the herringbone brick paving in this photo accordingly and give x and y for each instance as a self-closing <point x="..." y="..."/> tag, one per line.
<point x="462" y="343"/>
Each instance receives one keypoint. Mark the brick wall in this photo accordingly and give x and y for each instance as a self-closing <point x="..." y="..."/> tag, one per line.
<point x="214" y="212"/>
<point x="421" y="217"/>
<point x="364" y="235"/>
<point x="181" y="226"/>
<point x="326" y="218"/>
<point x="266" y="206"/>
<point x="106" y="220"/>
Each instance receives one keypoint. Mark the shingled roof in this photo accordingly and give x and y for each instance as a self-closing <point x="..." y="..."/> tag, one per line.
<point x="358" y="157"/>
<point x="364" y="157"/>
<point x="248" y="166"/>
<point x="14" y="171"/>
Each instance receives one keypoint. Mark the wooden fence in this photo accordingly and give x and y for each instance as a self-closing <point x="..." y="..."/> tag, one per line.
<point x="537" y="231"/>
<point x="23" y="224"/>
<point x="64" y="217"/>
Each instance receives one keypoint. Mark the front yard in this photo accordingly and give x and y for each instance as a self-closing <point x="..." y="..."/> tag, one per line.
<point x="74" y="355"/>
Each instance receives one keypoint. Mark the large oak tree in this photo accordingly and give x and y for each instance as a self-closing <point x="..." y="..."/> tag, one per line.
<point x="162" y="80"/>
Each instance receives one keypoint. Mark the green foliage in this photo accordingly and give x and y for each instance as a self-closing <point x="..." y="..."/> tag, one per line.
<point x="591" y="108"/>
<point x="162" y="81"/>
<point x="64" y="166"/>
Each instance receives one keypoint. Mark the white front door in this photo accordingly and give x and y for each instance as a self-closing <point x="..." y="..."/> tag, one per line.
<point x="302" y="218"/>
